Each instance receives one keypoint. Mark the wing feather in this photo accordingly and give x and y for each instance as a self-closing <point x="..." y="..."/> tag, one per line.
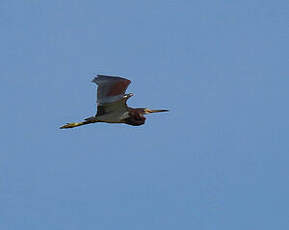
<point x="110" y="88"/>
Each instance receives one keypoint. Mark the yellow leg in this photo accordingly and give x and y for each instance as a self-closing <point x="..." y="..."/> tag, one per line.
<point x="72" y="125"/>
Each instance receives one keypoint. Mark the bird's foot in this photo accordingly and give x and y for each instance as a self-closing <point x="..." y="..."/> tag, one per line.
<point x="71" y="125"/>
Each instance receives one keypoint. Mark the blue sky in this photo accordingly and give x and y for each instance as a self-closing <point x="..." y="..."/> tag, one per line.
<point x="217" y="160"/>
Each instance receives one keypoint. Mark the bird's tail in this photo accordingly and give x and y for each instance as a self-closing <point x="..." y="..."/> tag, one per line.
<point x="72" y="125"/>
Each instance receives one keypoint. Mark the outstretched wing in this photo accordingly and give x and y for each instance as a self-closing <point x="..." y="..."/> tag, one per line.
<point x="110" y="88"/>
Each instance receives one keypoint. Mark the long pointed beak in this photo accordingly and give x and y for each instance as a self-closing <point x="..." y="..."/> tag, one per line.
<point x="155" y="110"/>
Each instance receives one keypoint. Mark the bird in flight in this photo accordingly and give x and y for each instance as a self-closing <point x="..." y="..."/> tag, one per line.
<point x="111" y="104"/>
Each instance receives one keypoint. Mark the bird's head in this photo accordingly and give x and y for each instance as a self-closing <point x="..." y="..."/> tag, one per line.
<point x="127" y="96"/>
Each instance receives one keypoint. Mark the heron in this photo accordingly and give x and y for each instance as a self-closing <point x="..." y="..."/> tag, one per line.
<point x="112" y="104"/>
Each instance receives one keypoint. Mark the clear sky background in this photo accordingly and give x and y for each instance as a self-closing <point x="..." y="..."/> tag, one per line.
<point x="218" y="160"/>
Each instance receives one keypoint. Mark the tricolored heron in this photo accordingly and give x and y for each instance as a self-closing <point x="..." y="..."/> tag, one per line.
<point x="111" y="104"/>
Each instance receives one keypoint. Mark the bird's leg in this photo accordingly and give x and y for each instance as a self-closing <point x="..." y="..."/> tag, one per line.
<point x="75" y="124"/>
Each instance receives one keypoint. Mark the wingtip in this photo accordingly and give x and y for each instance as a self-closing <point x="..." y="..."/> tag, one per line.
<point x="102" y="77"/>
<point x="98" y="78"/>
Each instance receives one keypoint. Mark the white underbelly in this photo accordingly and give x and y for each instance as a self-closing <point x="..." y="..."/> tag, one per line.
<point x="113" y="117"/>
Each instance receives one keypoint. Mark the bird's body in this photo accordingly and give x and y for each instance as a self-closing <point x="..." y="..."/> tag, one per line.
<point x="111" y="104"/>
